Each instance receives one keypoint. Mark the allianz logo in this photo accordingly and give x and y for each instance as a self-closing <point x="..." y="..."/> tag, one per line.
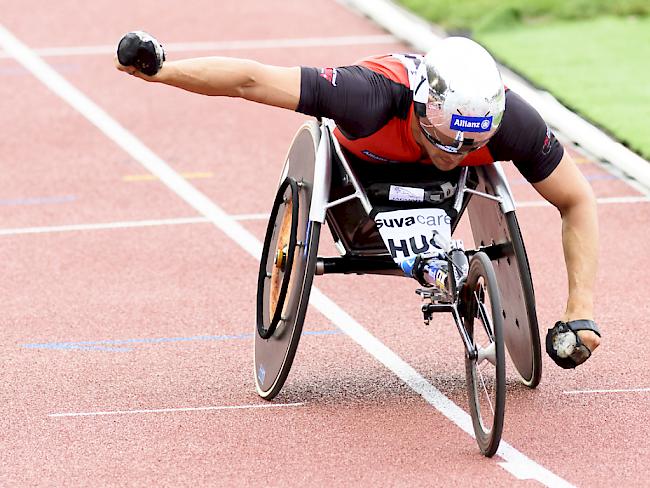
<point x="467" y="123"/>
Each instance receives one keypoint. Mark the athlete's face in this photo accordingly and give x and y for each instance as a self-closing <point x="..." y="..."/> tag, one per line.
<point x="442" y="159"/>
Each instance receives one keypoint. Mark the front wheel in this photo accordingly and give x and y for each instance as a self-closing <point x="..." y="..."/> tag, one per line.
<point x="486" y="371"/>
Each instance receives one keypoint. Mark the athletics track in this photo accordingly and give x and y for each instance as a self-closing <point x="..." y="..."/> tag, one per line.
<point x="130" y="217"/>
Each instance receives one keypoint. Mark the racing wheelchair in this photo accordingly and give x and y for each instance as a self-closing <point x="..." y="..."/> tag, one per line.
<point x="488" y="289"/>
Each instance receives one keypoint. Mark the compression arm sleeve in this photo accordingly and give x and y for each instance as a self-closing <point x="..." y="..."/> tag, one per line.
<point x="358" y="99"/>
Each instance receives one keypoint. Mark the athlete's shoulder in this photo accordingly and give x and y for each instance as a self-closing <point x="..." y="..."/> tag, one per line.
<point x="525" y="138"/>
<point x="400" y="68"/>
<point x="518" y="121"/>
<point x="518" y="109"/>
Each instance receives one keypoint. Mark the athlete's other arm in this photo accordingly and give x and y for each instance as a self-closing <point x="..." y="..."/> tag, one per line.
<point x="568" y="190"/>
<point x="230" y="77"/>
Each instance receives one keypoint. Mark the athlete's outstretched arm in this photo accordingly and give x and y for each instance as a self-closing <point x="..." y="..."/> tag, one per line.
<point x="230" y="77"/>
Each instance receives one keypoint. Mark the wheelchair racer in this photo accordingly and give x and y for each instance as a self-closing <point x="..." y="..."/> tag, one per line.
<point x="447" y="108"/>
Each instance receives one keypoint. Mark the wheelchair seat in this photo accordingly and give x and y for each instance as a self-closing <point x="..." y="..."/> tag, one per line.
<point x="355" y="228"/>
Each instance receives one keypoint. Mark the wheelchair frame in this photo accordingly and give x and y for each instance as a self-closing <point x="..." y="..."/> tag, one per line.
<point x="491" y="210"/>
<point x="320" y="169"/>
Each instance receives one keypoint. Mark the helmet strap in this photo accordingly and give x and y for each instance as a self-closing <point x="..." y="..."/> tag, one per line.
<point x="420" y="109"/>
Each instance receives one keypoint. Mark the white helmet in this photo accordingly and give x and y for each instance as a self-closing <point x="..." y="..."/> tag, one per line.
<point x="466" y="96"/>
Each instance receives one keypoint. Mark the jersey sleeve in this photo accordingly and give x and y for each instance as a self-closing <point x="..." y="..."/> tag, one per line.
<point x="358" y="99"/>
<point x="526" y="140"/>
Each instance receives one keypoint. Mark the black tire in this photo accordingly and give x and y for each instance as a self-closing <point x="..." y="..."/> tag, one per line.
<point x="282" y="301"/>
<point x="486" y="374"/>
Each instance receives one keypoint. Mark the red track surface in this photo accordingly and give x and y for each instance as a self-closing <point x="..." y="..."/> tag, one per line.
<point x="357" y="424"/>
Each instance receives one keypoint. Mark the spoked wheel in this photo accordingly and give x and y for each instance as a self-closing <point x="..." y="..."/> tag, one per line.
<point x="287" y="266"/>
<point x="486" y="373"/>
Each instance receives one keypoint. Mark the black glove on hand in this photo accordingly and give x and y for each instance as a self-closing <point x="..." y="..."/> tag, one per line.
<point x="565" y="347"/>
<point x="142" y="51"/>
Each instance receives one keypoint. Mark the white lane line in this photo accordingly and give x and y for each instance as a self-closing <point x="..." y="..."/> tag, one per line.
<point x="122" y="225"/>
<point x="600" y="201"/>
<point x="622" y="390"/>
<point x="224" y="45"/>
<point x="102" y="226"/>
<point x="240" y="217"/>
<point x="171" y="410"/>
<point x="255" y="216"/>
<point x="515" y="461"/>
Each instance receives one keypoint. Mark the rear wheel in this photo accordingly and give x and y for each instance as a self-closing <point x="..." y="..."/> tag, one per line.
<point x="492" y="228"/>
<point x="523" y="343"/>
<point x="486" y="376"/>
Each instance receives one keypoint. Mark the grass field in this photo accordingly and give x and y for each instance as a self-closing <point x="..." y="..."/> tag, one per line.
<point x="599" y="68"/>
<point x="594" y="56"/>
<point x="477" y="15"/>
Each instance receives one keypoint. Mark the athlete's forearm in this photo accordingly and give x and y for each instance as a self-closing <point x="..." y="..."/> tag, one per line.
<point x="580" y="244"/>
<point x="569" y="191"/>
<point x="231" y="77"/>
<point x="213" y="76"/>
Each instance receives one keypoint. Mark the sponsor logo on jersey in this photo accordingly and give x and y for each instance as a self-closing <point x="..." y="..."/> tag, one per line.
<point x="409" y="232"/>
<point x="430" y="220"/>
<point x="405" y="194"/>
<point x="372" y="155"/>
<point x="412" y="245"/>
<point x="329" y="74"/>
<point x="471" y="124"/>
<point x="548" y="142"/>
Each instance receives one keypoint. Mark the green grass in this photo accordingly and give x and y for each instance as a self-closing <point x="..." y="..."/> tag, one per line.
<point x="599" y="68"/>
<point x="477" y="15"/>
<point x="592" y="55"/>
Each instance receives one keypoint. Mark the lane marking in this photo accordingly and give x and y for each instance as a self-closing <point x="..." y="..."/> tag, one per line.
<point x="253" y="216"/>
<point x="248" y="242"/>
<point x="223" y="45"/>
<point x="38" y="200"/>
<point x="103" y="226"/>
<point x="588" y="177"/>
<point x="244" y="217"/>
<point x="122" y="225"/>
<point x="621" y="390"/>
<point x="197" y="175"/>
<point x="109" y="344"/>
<point x="19" y="71"/>
<point x="600" y="201"/>
<point x="173" y="410"/>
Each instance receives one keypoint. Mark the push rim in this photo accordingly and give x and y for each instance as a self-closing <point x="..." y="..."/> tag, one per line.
<point x="275" y="270"/>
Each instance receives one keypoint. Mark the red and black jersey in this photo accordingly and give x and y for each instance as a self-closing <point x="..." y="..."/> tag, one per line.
<point x="372" y="105"/>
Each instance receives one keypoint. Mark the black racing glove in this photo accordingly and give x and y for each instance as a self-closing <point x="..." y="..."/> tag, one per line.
<point x="565" y="347"/>
<point x="142" y="51"/>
